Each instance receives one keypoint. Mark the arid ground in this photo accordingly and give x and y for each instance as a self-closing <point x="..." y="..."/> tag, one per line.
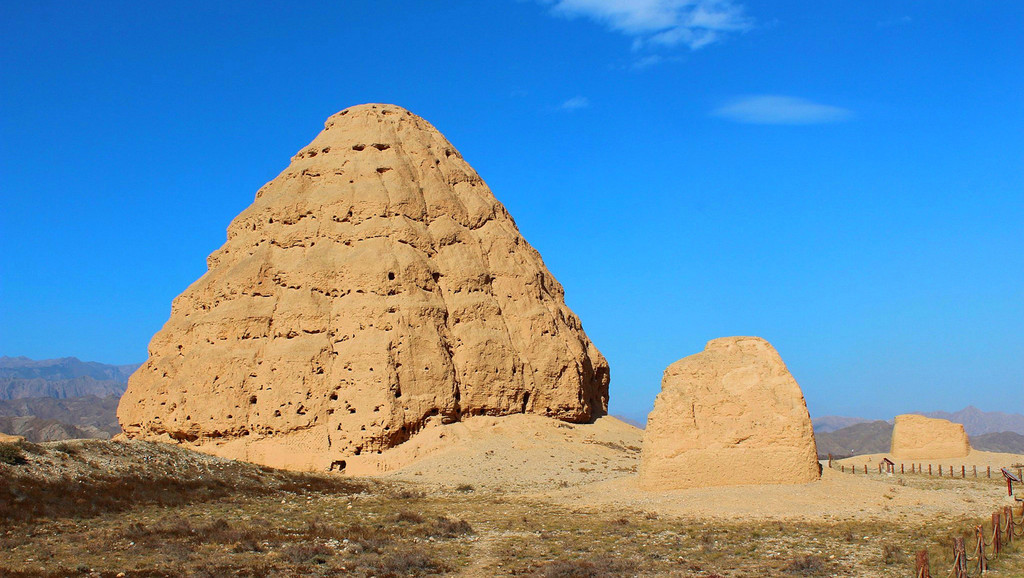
<point x="510" y="498"/>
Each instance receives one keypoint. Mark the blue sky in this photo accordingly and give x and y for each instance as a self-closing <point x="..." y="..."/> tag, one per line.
<point x="845" y="179"/>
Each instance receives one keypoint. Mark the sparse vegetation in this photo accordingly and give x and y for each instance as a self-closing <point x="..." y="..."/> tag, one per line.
<point x="242" y="520"/>
<point x="410" y="517"/>
<point x="11" y="454"/>
<point x="34" y="449"/>
<point x="806" y="565"/>
<point x="66" y="448"/>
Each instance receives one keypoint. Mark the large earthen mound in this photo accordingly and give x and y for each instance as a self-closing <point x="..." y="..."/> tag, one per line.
<point x="915" y="437"/>
<point x="374" y="286"/>
<point x="730" y="415"/>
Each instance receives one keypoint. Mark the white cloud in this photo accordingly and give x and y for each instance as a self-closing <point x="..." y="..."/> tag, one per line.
<point x="693" y="23"/>
<point x="770" y="109"/>
<point x="575" y="103"/>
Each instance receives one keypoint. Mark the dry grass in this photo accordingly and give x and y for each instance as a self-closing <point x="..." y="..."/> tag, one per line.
<point x="241" y="520"/>
<point x="12" y="454"/>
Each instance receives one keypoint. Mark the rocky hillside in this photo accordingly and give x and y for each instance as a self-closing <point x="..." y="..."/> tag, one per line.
<point x="40" y="419"/>
<point x="1007" y="441"/>
<point x="60" y="378"/>
<point x="872" y="437"/>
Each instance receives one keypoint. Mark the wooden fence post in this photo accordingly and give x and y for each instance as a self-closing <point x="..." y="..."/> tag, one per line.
<point x="989" y="471"/>
<point x="921" y="565"/>
<point x="865" y="468"/>
<point x="963" y="472"/>
<point x="997" y="535"/>
<point x="843" y="468"/>
<point x="1010" y="531"/>
<point x="901" y="467"/>
<point x="929" y="469"/>
<point x="959" y="558"/>
<point x="975" y="471"/>
<point x="980" y="552"/>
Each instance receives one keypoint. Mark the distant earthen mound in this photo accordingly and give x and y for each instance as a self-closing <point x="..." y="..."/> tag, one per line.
<point x="730" y="415"/>
<point x="374" y="286"/>
<point x="915" y="437"/>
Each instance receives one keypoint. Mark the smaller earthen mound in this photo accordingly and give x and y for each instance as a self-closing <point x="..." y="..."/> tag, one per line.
<point x="731" y="415"/>
<point x="10" y="439"/>
<point x="915" y="437"/>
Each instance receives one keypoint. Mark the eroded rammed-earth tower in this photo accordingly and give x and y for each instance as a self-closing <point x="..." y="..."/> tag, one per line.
<point x="729" y="415"/>
<point x="374" y="286"/>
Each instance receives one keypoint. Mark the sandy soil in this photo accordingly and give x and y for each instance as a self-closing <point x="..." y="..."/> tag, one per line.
<point x="521" y="453"/>
<point x="592" y="467"/>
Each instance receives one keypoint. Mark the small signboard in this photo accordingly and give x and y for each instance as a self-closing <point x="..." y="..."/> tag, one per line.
<point x="1010" y="479"/>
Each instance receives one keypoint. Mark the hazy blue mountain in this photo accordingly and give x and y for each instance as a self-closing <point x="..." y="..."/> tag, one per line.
<point x="977" y="422"/>
<point x="869" y="437"/>
<point x="631" y="421"/>
<point x="62" y="378"/>
<point x="830" y="423"/>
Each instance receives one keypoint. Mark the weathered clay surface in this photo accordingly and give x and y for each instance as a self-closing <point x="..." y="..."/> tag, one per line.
<point x="7" y="438"/>
<point x="915" y="437"/>
<point x="375" y="285"/>
<point x="730" y="415"/>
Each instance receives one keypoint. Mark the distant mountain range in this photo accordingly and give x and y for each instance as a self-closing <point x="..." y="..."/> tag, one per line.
<point x="872" y="437"/>
<point x="43" y="419"/>
<point x="977" y="422"/>
<point x="875" y="437"/>
<point x="57" y="399"/>
<point x="67" y="377"/>
<point x="830" y="423"/>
